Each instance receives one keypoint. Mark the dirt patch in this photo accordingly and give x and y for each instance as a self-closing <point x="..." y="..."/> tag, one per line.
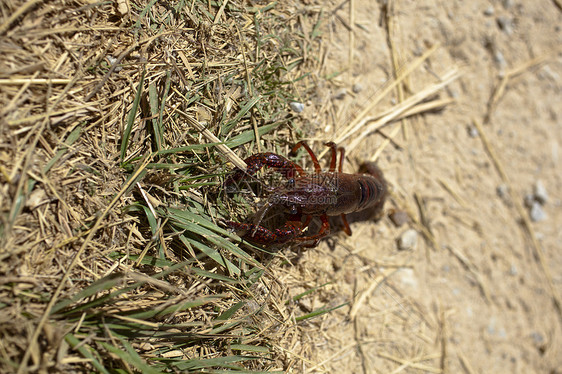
<point x="476" y="294"/>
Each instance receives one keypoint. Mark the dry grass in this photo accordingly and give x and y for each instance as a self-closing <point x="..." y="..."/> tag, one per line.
<point x="117" y="123"/>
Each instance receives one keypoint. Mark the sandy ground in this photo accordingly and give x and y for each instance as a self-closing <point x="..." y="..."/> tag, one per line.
<point x="481" y="297"/>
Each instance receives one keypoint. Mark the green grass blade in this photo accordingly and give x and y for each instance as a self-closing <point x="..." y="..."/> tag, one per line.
<point x="164" y="166"/>
<point x="146" y="260"/>
<point x="152" y="221"/>
<point x="101" y="285"/>
<point x="106" y="283"/>
<point x="143" y="13"/>
<point x="249" y="348"/>
<point x="213" y="254"/>
<point x="227" y="326"/>
<point x="249" y="135"/>
<point x="131" y="118"/>
<point x="167" y="86"/>
<point x="301" y="295"/>
<point x="197" y="224"/>
<point x="318" y="312"/>
<point x="230" y="312"/>
<point x="243" y="111"/>
<point x="179" y="307"/>
<point x="155" y="113"/>
<point x="209" y="275"/>
<point x="71" y="138"/>
<point x="137" y="361"/>
<point x="212" y="362"/>
<point x="130" y="357"/>
<point x="86" y="352"/>
<point x="140" y="175"/>
<point x="187" y="148"/>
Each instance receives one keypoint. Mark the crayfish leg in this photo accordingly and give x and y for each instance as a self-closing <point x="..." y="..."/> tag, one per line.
<point x="342" y="158"/>
<point x="332" y="146"/>
<point x="255" y="162"/>
<point x="324" y="230"/>
<point x="346" y="227"/>
<point x="302" y="143"/>
<point x="261" y="235"/>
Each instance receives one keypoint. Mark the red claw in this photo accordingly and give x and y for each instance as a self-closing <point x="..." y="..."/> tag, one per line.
<point x="261" y="235"/>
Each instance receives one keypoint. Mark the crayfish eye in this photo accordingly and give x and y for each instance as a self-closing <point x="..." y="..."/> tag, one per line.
<point x="291" y="182"/>
<point x="293" y="210"/>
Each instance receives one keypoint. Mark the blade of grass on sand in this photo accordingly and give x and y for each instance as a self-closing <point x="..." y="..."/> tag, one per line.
<point x="303" y="294"/>
<point x="318" y="312"/>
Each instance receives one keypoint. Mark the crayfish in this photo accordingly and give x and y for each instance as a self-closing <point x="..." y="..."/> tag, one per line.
<point x="307" y="195"/>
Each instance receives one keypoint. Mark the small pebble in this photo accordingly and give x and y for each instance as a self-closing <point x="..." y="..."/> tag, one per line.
<point x="408" y="278"/>
<point x="539" y="341"/>
<point x="296" y="106"/>
<point x="349" y="277"/>
<point x="36" y="198"/>
<point x="537" y="212"/>
<point x="537" y="337"/>
<point x="494" y="329"/>
<point x="122" y="7"/>
<point x="506" y="24"/>
<point x="112" y="60"/>
<point x="500" y="60"/>
<point x="340" y="94"/>
<point x="507" y="4"/>
<point x="501" y="190"/>
<point x="472" y="132"/>
<point x="489" y="11"/>
<point x="539" y="235"/>
<point x="399" y="217"/>
<point x="408" y="240"/>
<point x="540" y="192"/>
<point x="305" y="304"/>
<point x="529" y="200"/>
<point x="357" y="87"/>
